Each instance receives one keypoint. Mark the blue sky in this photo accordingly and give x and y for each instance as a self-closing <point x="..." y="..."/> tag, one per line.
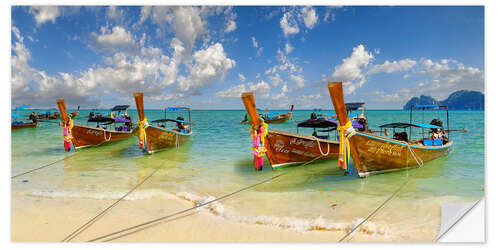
<point x="204" y="57"/>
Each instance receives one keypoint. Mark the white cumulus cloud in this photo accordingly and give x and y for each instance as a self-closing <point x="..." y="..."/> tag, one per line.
<point x="261" y="89"/>
<point x="289" y="24"/>
<point x="299" y="81"/>
<point x="112" y="40"/>
<point x="233" y="92"/>
<point x="275" y="80"/>
<point x="288" y="48"/>
<point x="44" y="14"/>
<point x="209" y="65"/>
<point x="350" y="71"/>
<point x="446" y="76"/>
<point x="309" y="16"/>
<point x="389" y="67"/>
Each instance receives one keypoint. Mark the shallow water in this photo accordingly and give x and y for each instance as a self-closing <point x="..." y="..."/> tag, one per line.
<point x="217" y="161"/>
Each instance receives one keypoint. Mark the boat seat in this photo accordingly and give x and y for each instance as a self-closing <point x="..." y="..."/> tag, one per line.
<point x="431" y="142"/>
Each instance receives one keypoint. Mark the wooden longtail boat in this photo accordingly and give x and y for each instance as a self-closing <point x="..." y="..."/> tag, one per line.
<point x="156" y="136"/>
<point x="285" y="148"/>
<point x="377" y="154"/>
<point x="272" y="117"/>
<point x="20" y="125"/>
<point x="48" y="116"/>
<point x="85" y="136"/>
<point x="76" y="113"/>
<point x="15" y="124"/>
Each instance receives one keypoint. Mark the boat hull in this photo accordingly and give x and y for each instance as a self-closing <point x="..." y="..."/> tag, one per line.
<point x="158" y="138"/>
<point x="284" y="148"/>
<point x="378" y="154"/>
<point x="280" y="119"/>
<point x="85" y="136"/>
<point x="24" y="125"/>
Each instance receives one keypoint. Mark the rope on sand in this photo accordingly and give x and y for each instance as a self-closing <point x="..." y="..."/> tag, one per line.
<point x="95" y="218"/>
<point x="420" y="163"/>
<point x="127" y="231"/>
<point x="44" y="166"/>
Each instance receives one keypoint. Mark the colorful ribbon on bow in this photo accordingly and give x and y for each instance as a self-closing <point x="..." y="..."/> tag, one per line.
<point x="142" y="133"/>
<point x="67" y="135"/>
<point x="258" y="137"/>
<point x="345" y="132"/>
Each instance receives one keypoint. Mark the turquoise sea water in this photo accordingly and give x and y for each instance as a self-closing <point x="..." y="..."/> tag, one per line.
<point x="217" y="161"/>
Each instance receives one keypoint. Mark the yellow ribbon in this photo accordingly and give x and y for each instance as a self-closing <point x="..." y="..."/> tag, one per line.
<point x="261" y="150"/>
<point x="142" y="133"/>
<point x="345" y="132"/>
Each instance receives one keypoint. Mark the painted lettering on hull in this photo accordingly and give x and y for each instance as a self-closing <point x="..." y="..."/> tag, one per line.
<point x="388" y="149"/>
<point x="94" y="132"/>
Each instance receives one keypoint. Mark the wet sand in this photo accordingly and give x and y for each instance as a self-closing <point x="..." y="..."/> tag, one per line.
<point x="42" y="219"/>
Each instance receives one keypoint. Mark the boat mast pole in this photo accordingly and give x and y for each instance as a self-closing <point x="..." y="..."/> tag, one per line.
<point x="337" y="97"/>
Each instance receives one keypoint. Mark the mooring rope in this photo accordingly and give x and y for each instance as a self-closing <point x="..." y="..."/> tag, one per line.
<point x="420" y="164"/>
<point x="320" y="150"/>
<point x="126" y="231"/>
<point x="95" y="218"/>
<point x="110" y="134"/>
<point x="44" y="166"/>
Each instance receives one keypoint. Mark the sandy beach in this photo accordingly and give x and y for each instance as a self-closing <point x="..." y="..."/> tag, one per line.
<point x="42" y="219"/>
<point x="36" y="219"/>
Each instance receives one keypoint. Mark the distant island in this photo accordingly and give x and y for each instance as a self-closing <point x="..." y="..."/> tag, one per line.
<point x="458" y="100"/>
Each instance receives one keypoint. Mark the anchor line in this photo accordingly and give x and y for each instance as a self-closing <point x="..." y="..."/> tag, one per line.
<point x="44" y="166"/>
<point x="95" y="218"/>
<point x="420" y="163"/>
<point x="126" y="231"/>
<point x="320" y="150"/>
<point x="110" y="134"/>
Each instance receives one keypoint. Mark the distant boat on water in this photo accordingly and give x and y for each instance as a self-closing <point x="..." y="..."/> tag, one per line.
<point x="272" y="117"/>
